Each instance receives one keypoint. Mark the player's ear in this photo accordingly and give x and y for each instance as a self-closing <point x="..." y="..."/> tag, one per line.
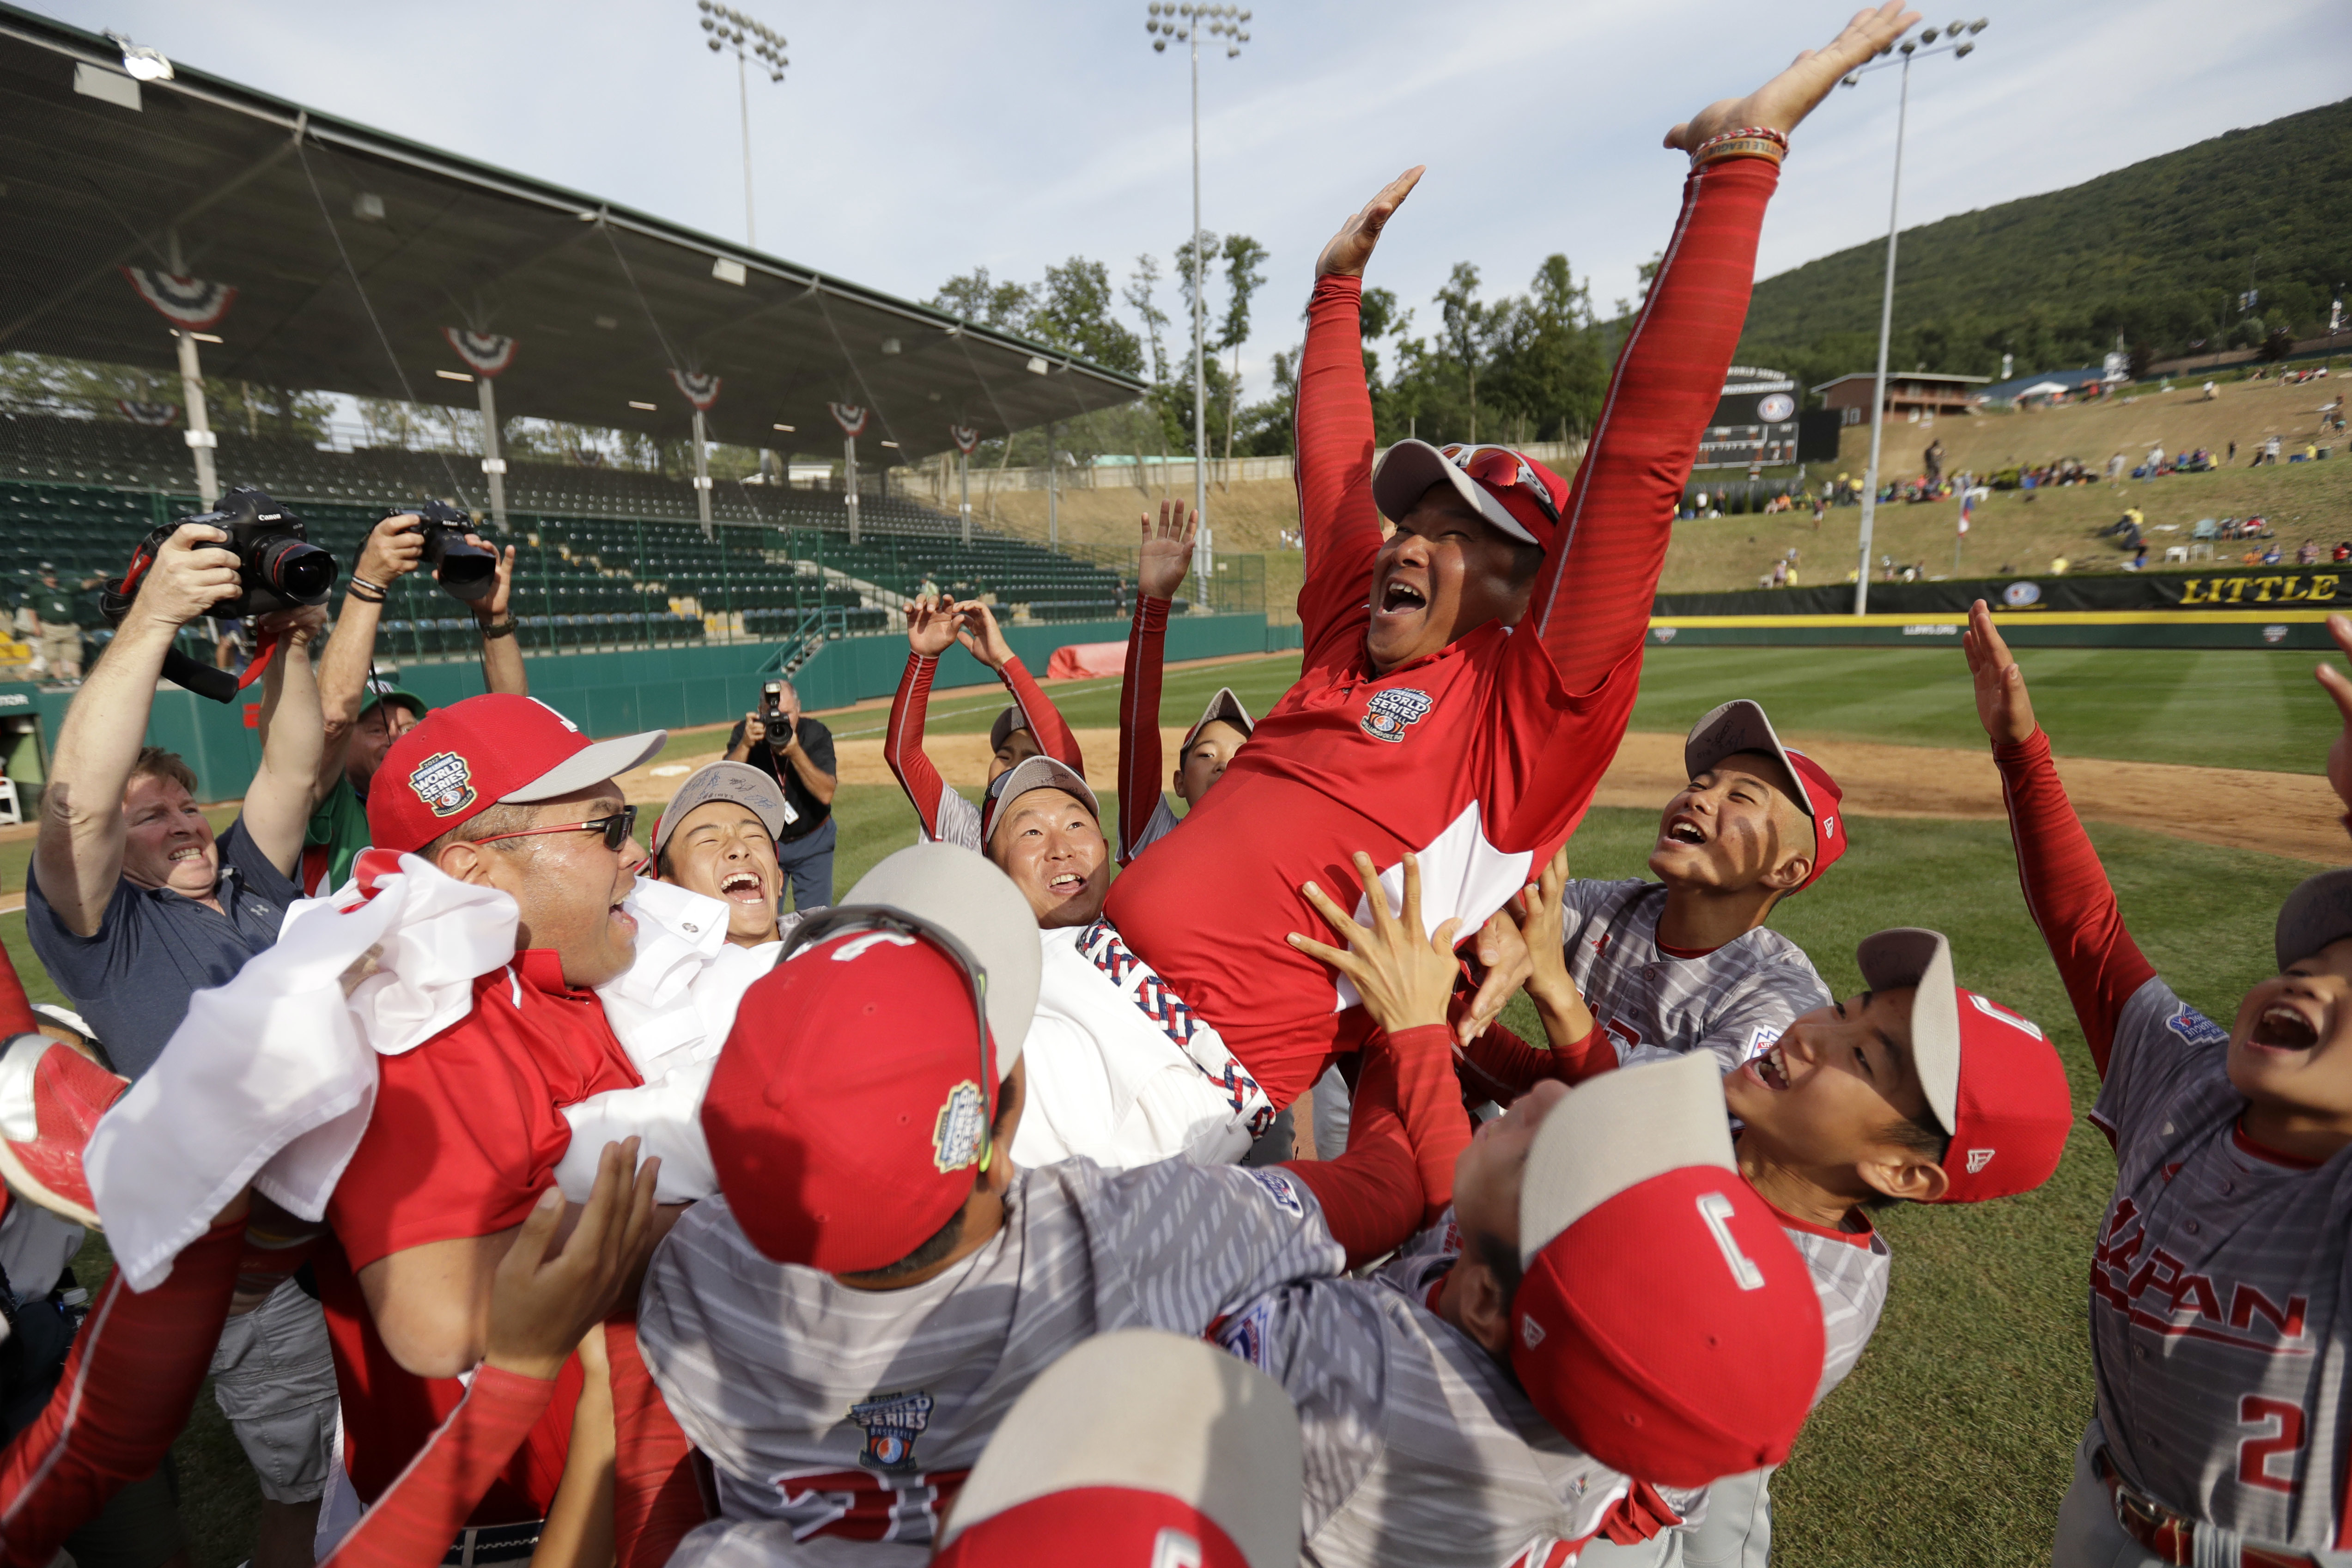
<point x="1486" y="1313"/>
<point x="463" y="861"/>
<point x="1898" y="1172"/>
<point x="1010" y="1098"/>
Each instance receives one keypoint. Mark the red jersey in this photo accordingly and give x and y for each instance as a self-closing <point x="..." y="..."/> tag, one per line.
<point x="464" y="1136"/>
<point x="1481" y="758"/>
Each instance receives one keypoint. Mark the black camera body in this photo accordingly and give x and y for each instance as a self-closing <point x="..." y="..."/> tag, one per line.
<point x="466" y="572"/>
<point x="771" y="705"/>
<point x="278" y="566"/>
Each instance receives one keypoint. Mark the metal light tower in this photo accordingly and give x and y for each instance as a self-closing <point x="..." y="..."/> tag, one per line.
<point x="1185" y="23"/>
<point x="1959" y="43"/>
<point x="730" y="29"/>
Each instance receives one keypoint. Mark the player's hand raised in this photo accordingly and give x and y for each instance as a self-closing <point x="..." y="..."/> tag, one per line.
<point x="2002" y="705"/>
<point x="931" y="626"/>
<point x="2339" y="686"/>
<point x="1796" y="92"/>
<point x="1503" y="965"/>
<point x="542" y="1306"/>
<point x="1349" y="248"/>
<point x="1405" y="978"/>
<point x="982" y="636"/>
<point x="1165" y="554"/>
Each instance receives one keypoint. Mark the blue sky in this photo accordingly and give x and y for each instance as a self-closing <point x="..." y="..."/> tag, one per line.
<point x="914" y="139"/>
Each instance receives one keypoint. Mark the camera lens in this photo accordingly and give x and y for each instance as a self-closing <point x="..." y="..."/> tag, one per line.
<point x="465" y="570"/>
<point x="297" y="573"/>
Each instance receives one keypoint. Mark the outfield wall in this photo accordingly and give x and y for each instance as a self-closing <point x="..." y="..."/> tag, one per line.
<point x="2155" y="628"/>
<point x="616" y="693"/>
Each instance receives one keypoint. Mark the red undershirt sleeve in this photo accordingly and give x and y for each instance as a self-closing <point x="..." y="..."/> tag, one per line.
<point x="656" y="1498"/>
<point x="126" y="1391"/>
<point x="1045" y="722"/>
<point x="15" y="1009"/>
<point x="2068" y="894"/>
<point x="411" y="1524"/>
<point x="1138" y="722"/>
<point x="902" y="741"/>
<point x="1502" y="1066"/>
<point x="1405" y="1131"/>
<point x="1339" y="526"/>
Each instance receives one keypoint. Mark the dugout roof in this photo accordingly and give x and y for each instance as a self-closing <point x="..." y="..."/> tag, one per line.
<point x="351" y="250"/>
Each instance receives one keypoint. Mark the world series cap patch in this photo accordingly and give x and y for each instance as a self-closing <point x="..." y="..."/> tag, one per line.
<point x="892" y="1422"/>
<point x="443" y="783"/>
<point x="962" y="1123"/>
<point x="1391" y="713"/>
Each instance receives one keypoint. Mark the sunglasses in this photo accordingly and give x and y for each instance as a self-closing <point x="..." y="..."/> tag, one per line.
<point x="842" y="918"/>
<point x="1503" y="469"/>
<point x="618" y="829"/>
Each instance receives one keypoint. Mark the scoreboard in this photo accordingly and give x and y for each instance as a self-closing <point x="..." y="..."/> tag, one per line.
<point x="1755" y="422"/>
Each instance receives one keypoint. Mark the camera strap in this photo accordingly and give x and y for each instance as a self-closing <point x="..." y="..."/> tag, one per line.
<point x="114" y="602"/>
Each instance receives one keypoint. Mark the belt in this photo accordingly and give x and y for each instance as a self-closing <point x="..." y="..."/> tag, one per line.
<point x="2170" y="1537"/>
<point x="493" y="1544"/>
<point x="1169" y="1013"/>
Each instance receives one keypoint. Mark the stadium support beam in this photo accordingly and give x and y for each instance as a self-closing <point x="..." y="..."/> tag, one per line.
<point x="701" y="475"/>
<point x="963" y="488"/>
<point x="201" y="439"/>
<point x="849" y="483"/>
<point x="494" y="466"/>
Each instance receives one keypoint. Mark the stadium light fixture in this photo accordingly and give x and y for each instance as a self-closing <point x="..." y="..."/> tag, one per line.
<point x="725" y="28"/>
<point x="139" y="62"/>
<point x="1183" y="22"/>
<point x="1958" y="48"/>
<point x="647" y="407"/>
<point x="785" y="428"/>
<point x="453" y="376"/>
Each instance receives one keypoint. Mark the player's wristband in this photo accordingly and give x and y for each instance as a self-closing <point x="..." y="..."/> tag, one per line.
<point x="365" y="591"/>
<point x="1749" y="142"/>
<point x="502" y="628"/>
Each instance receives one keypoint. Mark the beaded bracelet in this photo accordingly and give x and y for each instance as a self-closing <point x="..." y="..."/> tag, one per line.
<point x="365" y="591"/>
<point x="1749" y="142"/>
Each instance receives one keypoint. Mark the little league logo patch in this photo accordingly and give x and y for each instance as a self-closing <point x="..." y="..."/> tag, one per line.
<point x="1392" y="713"/>
<point x="962" y="1123"/>
<point x="2195" y="1028"/>
<point x="892" y="1422"/>
<point x="443" y="783"/>
<point x="1279" y="1189"/>
<point x="1243" y="1336"/>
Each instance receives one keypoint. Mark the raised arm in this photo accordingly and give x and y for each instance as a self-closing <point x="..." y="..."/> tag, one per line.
<point x="277" y="803"/>
<point x="984" y="640"/>
<point x="1161" y="559"/>
<point x="929" y="629"/>
<point x="392" y="551"/>
<point x="1591" y="618"/>
<point x="78" y="855"/>
<point x="2066" y="889"/>
<point x="1340" y="527"/>
<point x="502" y="667"/>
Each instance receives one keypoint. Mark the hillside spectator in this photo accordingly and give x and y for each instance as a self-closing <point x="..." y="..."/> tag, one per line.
<point x="2307" y="553"/>
<point x="134" y="905"/>
<point x="805" y="767"/>
<point x="2270" y="451"/>
<point x="1779" y="573"/>
<point x="2234" y="452"/>
<point x="2273" y="555"/>
<point x="2116" y="466"/>
<point x="1933" y="458"/>
<point x="365" y="715"/>
<point x="2343" y="552"/>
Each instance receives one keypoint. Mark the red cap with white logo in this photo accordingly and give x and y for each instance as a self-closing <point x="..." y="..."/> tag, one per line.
<point x="1739" y="725"/>
<point x="1138" y="1446"/>
<point x="1666" y="1324"/>
<point x="1992" y="1078"/>
<point x="495" y="749"/>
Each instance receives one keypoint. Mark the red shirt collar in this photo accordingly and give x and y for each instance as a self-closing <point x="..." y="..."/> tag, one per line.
<point x="543" y="970"/>
<point x="2266" y="1154"/>
<point x="1851" y="1237"/>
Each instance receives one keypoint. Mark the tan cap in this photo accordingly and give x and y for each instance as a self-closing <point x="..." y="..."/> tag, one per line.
<point x="1034" y="774"/>
<point x="738" y="782"/>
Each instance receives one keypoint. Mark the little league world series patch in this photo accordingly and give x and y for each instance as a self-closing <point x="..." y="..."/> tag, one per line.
<point x="443" y="783"/>
<point x="892" y="1422"/>
<point x="1392" y="713"/>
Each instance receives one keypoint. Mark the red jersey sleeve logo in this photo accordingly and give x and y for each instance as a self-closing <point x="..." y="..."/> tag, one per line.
<point x="443" y="783"/>
<point x="1392" y="713"/>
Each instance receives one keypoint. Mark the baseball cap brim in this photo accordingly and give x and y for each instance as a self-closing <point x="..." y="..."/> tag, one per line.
<point x="1146" y="1412"/>
<point x="1410" y="467"/>
<point x="1739" y="725"/>
<point x="593" y="764"/>
<point x="379" y="694"/>
<point x="738" y="782"/>
<point x="1224" y="706"/>
<point x="1615" y="1133"/>
<point x="2319" y="911"/>
<point x="966" y="896"/>
<point x="1035" y="773"/>
<point x="999" y="731"/>
<point x="1909" y="955"/>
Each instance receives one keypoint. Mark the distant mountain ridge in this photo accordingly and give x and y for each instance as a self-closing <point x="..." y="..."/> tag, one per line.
<point x="2157" y="251"/>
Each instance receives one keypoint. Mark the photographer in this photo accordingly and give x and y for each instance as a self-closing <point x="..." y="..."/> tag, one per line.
<point x="365" y="715"/>
<point x="804" y="765"/>
<point x="134" y="905"/>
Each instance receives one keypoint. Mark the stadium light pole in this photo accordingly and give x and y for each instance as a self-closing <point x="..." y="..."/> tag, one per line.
<point x="730" y="29"/>
<point x="1185" y="22"/>
<point x="1960" y="42"/>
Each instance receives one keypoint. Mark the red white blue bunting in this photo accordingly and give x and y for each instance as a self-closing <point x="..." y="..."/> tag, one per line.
<point x="849" y="416"/>
<point x="186" y="302"/>
<point x="138" y="413"/>
<point x="966" y="438"/>
<point x="487" y="352"/>
<point x="701" y="389"/>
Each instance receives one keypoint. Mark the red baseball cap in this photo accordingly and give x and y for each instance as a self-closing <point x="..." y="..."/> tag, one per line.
<point x="1664" y="1324"/>
<point x="1137" y="1446"/>
<point x="849" y="1111"/>
<point x="1739" y="725"/>
<point x="1509" y="488"/>
<point x="1992" y="1078"/>
<point x="458" y="761"/>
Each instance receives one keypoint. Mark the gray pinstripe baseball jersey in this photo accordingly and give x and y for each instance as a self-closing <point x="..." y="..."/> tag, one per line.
<point x="2219" y="1336"/>
<point x="959" y="822"/>
<point x="856" y="1412"/>
<point x="1849" y="1269"/>
<point x="1733" y="1002"/>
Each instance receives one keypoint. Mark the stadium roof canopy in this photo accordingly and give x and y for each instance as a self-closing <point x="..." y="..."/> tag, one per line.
<point x="351" y="251"/>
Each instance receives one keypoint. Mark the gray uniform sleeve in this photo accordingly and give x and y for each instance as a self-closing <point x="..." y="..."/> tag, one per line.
<point x="1769" y="1002"/>
<point x="1205" y="1238"/>
<point x="2160" y="1043"/>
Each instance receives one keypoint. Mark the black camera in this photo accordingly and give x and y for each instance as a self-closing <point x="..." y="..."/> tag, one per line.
<point x="771" y="704"/>
<point x="465" y="571"/>
<point x="279" y="568"/>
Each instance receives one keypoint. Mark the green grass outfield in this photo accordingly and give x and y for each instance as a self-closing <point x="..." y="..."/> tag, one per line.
<point x="1950" y="1441"/>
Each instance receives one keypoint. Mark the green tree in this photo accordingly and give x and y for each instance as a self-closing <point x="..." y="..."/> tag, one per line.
<point x="1465" y="338"/>
<point x="977" y="298"/>
<point x="1073" y="311"/>
<point x="1245" y="276"/>
<point x="1547" y="366"/>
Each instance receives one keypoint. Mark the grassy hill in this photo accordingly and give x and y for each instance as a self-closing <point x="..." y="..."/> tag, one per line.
<point x="2157" y="251"/>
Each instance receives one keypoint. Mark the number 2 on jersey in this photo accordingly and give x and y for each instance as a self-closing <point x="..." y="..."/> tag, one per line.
<point x="2256" y="1451"/>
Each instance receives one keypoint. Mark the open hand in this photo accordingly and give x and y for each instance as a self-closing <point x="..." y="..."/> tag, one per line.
<point x="931" y="626"/>
<point x="2002" y="705"/>
<point x="981" y="635"/>
<point x="2339" y="686"/>
<point x="1796" y="92"/>
<point x="1405" y="978"/>
<point x="1504" y="963"/>
<point x="297" y="628"/>
<point x="542" y="1306"/>
<point x="1352" y="246"/>
<point x="1166" y="553"/>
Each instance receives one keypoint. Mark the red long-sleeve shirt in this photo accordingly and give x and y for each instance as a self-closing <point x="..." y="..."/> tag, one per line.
<point x="1139" y="725"/>
<point x="946" y="816"/>
<point x="1489" y="752"/>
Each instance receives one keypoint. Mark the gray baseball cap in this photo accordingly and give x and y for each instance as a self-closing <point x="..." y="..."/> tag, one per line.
<point x="2317" y="912"/>
<point x="738" y="782"/>
<point x="1224" y="705"/>
<point x="1012" y="719"/>
<point x="1036" y="773"/>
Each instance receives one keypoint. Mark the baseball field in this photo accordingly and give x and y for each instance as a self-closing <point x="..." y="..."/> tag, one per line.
<point x="1951" y="1442"/>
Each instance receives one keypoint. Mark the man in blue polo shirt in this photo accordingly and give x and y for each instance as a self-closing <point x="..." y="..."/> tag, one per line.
<point x="134" y="905"/>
